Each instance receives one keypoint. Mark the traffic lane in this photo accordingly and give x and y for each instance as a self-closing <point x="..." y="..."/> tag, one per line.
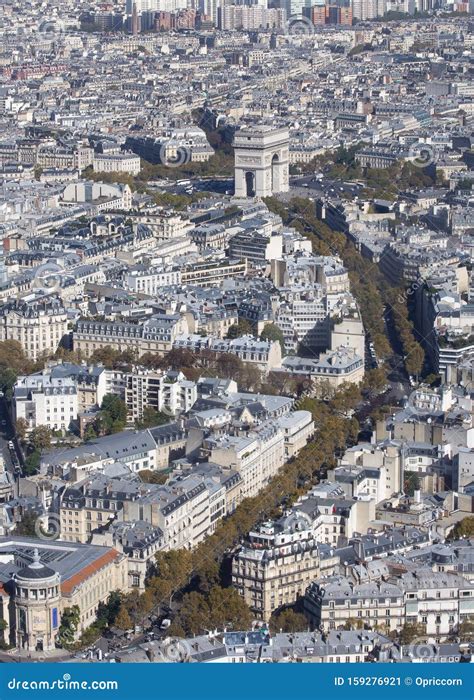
<point x="9" y="448"/>
<point x="328" y="186"/>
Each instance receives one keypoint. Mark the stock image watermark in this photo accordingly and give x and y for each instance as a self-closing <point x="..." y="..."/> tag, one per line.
<point x="63" y="683"/>
<point x="410" y="291"/>
<point x="48" y="527"/>
<point x="48" y="277"/>
<point x="299" y="25"/>
<point x="422" y="155"/>
<point x="176" y="650"/>
<point x="174" y="154"/>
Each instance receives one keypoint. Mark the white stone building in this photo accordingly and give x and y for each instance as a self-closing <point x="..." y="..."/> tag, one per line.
<point x="44" y="400"/>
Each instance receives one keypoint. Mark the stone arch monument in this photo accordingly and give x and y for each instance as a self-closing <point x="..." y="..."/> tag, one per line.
<point x="261" y="161"/>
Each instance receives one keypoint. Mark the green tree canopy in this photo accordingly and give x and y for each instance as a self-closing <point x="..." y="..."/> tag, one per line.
<point x="464" y="528"/>
<point x="243" y="327"/>
<point x="288" y="621"/>
<point x="40" y="437"/>
<point x="273" y="332"/>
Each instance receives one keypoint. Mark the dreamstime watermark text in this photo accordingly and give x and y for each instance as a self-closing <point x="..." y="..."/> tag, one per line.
<point x="64" y="683"/>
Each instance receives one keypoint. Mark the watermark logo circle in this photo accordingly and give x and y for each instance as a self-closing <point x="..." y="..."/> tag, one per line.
<point x="173" y="154"/>
<point x="51" y="531"/>
<point x="176" y="650"/>
<point x="298" y="25"/>
<point x="296" y="522"/>
<point x="167" y="411"/>
<point x="421" y="649"/>
<point x="422" y="155"/>
<point x="48" y="276"/>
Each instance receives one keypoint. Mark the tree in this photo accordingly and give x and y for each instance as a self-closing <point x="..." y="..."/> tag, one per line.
<point x="107" y="612"/>
<point x="89" y="433"/>
<point x="228" y="365"/>
<point x="112" y="417"/>
<point x="69" y="623"/>
<point x="243" y="327"/>
<point x="273" y="332"/>
<point x="152" y="418"/>
<point x="21" y="427"/>
<point x="3" y="627"/>
<point x="32" y="462"/>
<point x="250" y="377"/>
<point x="123" y="620"/>
<point x="174" y="568"/>
<point x="463" y="529"/>
<point x="8" y="379"/>
<point x="354" y="623"/>
<point x="288" y="621"/>
<point x="375" y="379"/>
<point x="194" y="615"/>
<point x="411" y="631"/>
<point x="216" y="609"/>
<point x="466" y="628"/>
<point x="40" y="437"/>
<point x="27" y="525"/>
<point x="411" y="483"/>
<point x="152" y="477"/>
<point x="206" y="573"/>
<point x="415" y="359"/>
<point x="227" y="607"/>
<point x="115" y="407"/>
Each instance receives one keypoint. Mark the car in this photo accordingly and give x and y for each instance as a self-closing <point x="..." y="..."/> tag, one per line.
<point x="165" y="624"/>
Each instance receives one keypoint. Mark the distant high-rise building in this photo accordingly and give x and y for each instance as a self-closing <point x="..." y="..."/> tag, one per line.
<point x="135" y="28"/>
<point x="250" y="17"/>
<point x="368" y="9"/>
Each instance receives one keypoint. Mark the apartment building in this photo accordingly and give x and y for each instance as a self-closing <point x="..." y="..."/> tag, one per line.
<point x="44" y="400"/>
<point x="275" y="564"/>
<point x="139" y="541"/>
<point x="60" y="158"/>
<point x="334" y="517"/>
<point x="164" y="224"/>
<point x="137" y="449"/>
<point x="335" y="367"/>
<point x="186" y="509"/>
<point x="297" y="427"/>
<point x="213" y="273"/>
<point x="255" y="247"/>
<point x="334" y="602"/>
<point x="257" y="456"/>
<point x="266" y="355"/>
<point x="38" y="324"/>
<point x="117" y="163"/>
<point x="168" y="392"/>
<point x="93" y="503"/>
<point x="156" y="335"/>
<point x="374" y="470"/>
<point x="438" y="600"/>
<point x="91" y="383"/>
<point x="148" y="280"/>
<point x="303" y="317"/>
<point x="250" y="17"/>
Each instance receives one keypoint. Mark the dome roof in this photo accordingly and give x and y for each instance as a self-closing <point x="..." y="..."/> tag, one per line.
<point x="36" y="570"/>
